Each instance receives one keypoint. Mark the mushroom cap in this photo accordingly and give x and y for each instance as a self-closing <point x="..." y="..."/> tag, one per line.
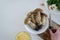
<point x="38" y="10"/>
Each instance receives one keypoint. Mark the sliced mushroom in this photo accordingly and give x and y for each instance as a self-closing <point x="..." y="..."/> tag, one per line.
<point x="32" y="25"/>
<point x="29" y="14"/>
<point x="29" y="23"/>
<point x="42" y="4"/>
<point x="43" y="19"/>
<point x="32" y="18"/>
<point x="26" y="21"/>
<point x="52" y="7"/>
<point x="38" y="10"/>
<point x="38" y="18"/>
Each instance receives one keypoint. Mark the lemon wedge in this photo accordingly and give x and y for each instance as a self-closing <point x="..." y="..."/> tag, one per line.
<point x="23" y="36"/>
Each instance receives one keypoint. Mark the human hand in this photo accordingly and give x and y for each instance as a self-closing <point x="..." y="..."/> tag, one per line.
<point x="56" y="35"/>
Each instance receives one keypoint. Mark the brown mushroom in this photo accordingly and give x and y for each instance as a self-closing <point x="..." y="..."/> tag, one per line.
<point x="43" y="18"/>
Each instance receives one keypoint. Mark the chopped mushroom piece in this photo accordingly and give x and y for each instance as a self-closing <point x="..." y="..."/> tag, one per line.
<point x="32" y="18"/>
<point x="42" y="4"/>
<point x="52" y="7"/>
<point x="32" y="25"/>
<point x="38" y="18"/>
<point x="38" y="10"/>
<point x="43" y="19"/>
<point x="26" y="21"/>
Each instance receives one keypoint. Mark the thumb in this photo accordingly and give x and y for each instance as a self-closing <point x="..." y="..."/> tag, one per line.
<point x="51" y="33"/>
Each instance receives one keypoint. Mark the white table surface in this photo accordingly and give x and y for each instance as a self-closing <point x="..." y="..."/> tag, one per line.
<point x="12" y="13"/>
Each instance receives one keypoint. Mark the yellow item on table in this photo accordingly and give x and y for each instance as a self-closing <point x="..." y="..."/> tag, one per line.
<point x="23" y="36"/>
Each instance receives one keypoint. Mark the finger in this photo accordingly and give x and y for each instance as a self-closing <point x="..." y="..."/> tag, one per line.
<point x="58" y="31"/>
<point x="51" y="32"/>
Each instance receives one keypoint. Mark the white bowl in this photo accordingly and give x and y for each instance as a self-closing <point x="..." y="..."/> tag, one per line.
<point x="43" y="29"/>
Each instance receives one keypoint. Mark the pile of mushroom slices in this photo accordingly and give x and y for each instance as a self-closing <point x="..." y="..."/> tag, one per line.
<point x="36" y="19"/>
